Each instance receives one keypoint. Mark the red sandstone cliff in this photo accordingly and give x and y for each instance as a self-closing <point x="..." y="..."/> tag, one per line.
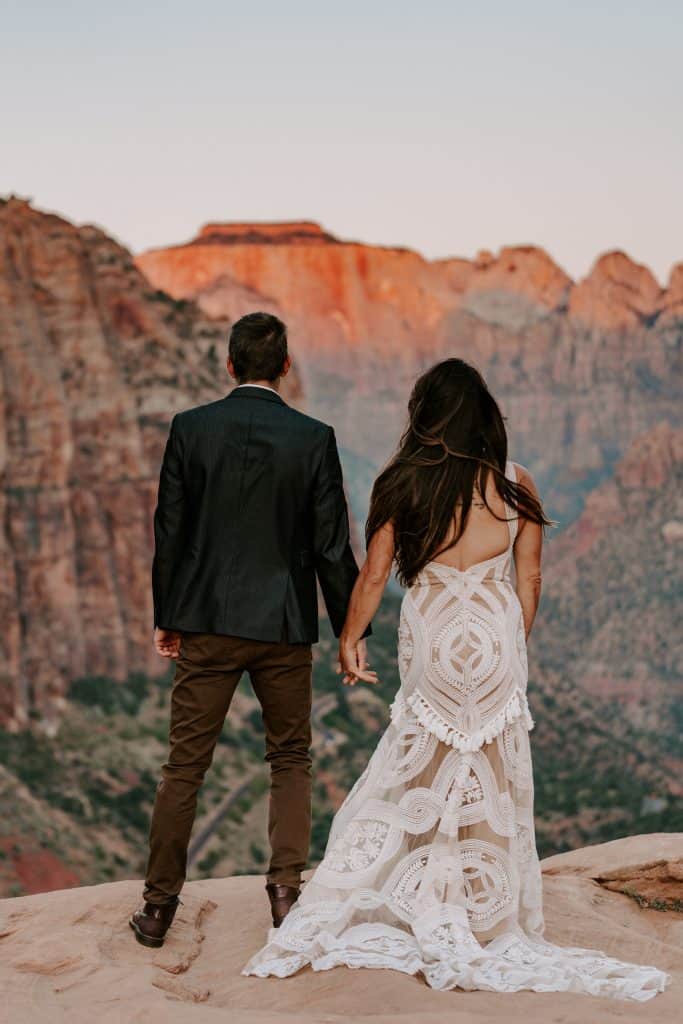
<point x="566" y="359"/>
<point x="94" y="362"/>
<point x="609" y="616"/>
<point x="304" y="269"/>
<point x="338" y="294"/>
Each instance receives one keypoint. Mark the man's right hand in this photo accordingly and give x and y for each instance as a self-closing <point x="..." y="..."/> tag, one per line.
<point x="167" y="642"/>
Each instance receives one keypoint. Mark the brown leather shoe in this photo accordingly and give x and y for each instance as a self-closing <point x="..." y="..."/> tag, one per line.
<point x="282" y="899"/>
<point x="152" y="922"/>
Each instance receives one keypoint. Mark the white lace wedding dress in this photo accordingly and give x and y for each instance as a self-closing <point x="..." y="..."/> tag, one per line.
<point x="431" y="864"/>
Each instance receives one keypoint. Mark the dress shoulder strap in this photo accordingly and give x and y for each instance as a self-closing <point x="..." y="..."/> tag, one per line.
<point x="513" y="518"/>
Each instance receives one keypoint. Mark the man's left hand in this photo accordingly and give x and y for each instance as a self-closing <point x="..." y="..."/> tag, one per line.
<point x="353" y="662"/>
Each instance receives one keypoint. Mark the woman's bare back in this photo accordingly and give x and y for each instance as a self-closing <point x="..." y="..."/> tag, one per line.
<point x="485" y="536"/>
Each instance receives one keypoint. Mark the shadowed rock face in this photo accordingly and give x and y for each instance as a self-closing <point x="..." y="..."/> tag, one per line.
<point x="610" y="576"/>
<point x="672" y="300"/>
<point x="72" y="953"/>
<point x="94" y="363"/>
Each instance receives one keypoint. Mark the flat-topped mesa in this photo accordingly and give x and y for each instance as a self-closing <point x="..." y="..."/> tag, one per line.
<point x="295" y="232"/>
<point x="386" y="297"/>
<point x="617" y="293"/>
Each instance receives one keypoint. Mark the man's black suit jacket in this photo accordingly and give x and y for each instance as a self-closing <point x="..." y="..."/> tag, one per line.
<point x="251" y="507"/>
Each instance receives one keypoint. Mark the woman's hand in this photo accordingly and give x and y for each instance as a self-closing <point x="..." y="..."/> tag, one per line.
<point x="353" y="662"/>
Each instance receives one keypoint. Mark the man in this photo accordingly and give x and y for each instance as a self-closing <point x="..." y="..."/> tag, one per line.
<point x="251" y="508"/>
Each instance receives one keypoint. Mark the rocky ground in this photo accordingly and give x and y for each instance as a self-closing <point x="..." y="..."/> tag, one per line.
<point x="69" y="955"/>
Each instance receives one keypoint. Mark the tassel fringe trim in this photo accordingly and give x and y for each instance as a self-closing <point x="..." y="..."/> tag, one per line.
<point x="516" y="708"/>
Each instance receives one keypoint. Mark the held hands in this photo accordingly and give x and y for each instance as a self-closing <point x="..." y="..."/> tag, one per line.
<point x="353" y="662"/>
<point x="167" y="643"/>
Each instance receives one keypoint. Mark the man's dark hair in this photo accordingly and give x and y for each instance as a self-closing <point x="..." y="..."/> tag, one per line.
<point x="258" y="347"/>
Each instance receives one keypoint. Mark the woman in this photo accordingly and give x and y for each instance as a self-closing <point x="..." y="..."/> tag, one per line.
<point x="431" y="864"/>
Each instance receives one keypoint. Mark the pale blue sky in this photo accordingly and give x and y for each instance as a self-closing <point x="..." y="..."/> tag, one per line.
<point x="444" y="126"/>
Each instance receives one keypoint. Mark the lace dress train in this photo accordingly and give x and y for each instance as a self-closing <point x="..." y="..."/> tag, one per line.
<point x="431" y="864"/>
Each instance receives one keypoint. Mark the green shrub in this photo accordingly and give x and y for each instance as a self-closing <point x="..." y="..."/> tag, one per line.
<point x="109" y="696"/>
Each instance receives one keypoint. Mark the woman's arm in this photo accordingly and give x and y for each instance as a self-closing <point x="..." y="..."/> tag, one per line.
<point x="365" y="599"/>
<point x="527" y="553"/>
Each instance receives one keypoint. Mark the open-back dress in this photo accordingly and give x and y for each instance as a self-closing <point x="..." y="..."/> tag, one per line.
<point x="431" y="864"/>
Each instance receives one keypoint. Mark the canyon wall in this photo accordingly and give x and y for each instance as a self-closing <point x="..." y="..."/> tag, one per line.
<point x="99" y="350"/>
<point x="94" y="362"/>
<point x="580" y="369"/>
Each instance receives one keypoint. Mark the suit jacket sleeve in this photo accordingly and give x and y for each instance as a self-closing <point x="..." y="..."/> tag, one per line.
<point x="334" y="560"/>
<point x="170" y="520"/>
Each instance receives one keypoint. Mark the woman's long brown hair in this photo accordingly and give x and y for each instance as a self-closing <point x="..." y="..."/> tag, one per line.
<point x="455" y="439"/>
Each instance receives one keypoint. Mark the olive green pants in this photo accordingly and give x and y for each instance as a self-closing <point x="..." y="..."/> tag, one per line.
<point x="207" y="673"/>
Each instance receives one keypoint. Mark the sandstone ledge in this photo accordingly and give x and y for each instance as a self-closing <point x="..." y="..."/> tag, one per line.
<point x="70" y="955"/>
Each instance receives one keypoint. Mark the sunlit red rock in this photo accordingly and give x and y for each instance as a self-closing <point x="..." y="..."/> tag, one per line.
<point x="617" y="294"/>
<point x="94" y="365"/>
<point x="341" y="294"/>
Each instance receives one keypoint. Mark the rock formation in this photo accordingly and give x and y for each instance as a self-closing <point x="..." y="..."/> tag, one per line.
<point x="94" y="363"/>
<point x="72" y="954"/>
<point x="580" y="368"/>
<point x="611" y="576"/>
<point x="618" y="294"/>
